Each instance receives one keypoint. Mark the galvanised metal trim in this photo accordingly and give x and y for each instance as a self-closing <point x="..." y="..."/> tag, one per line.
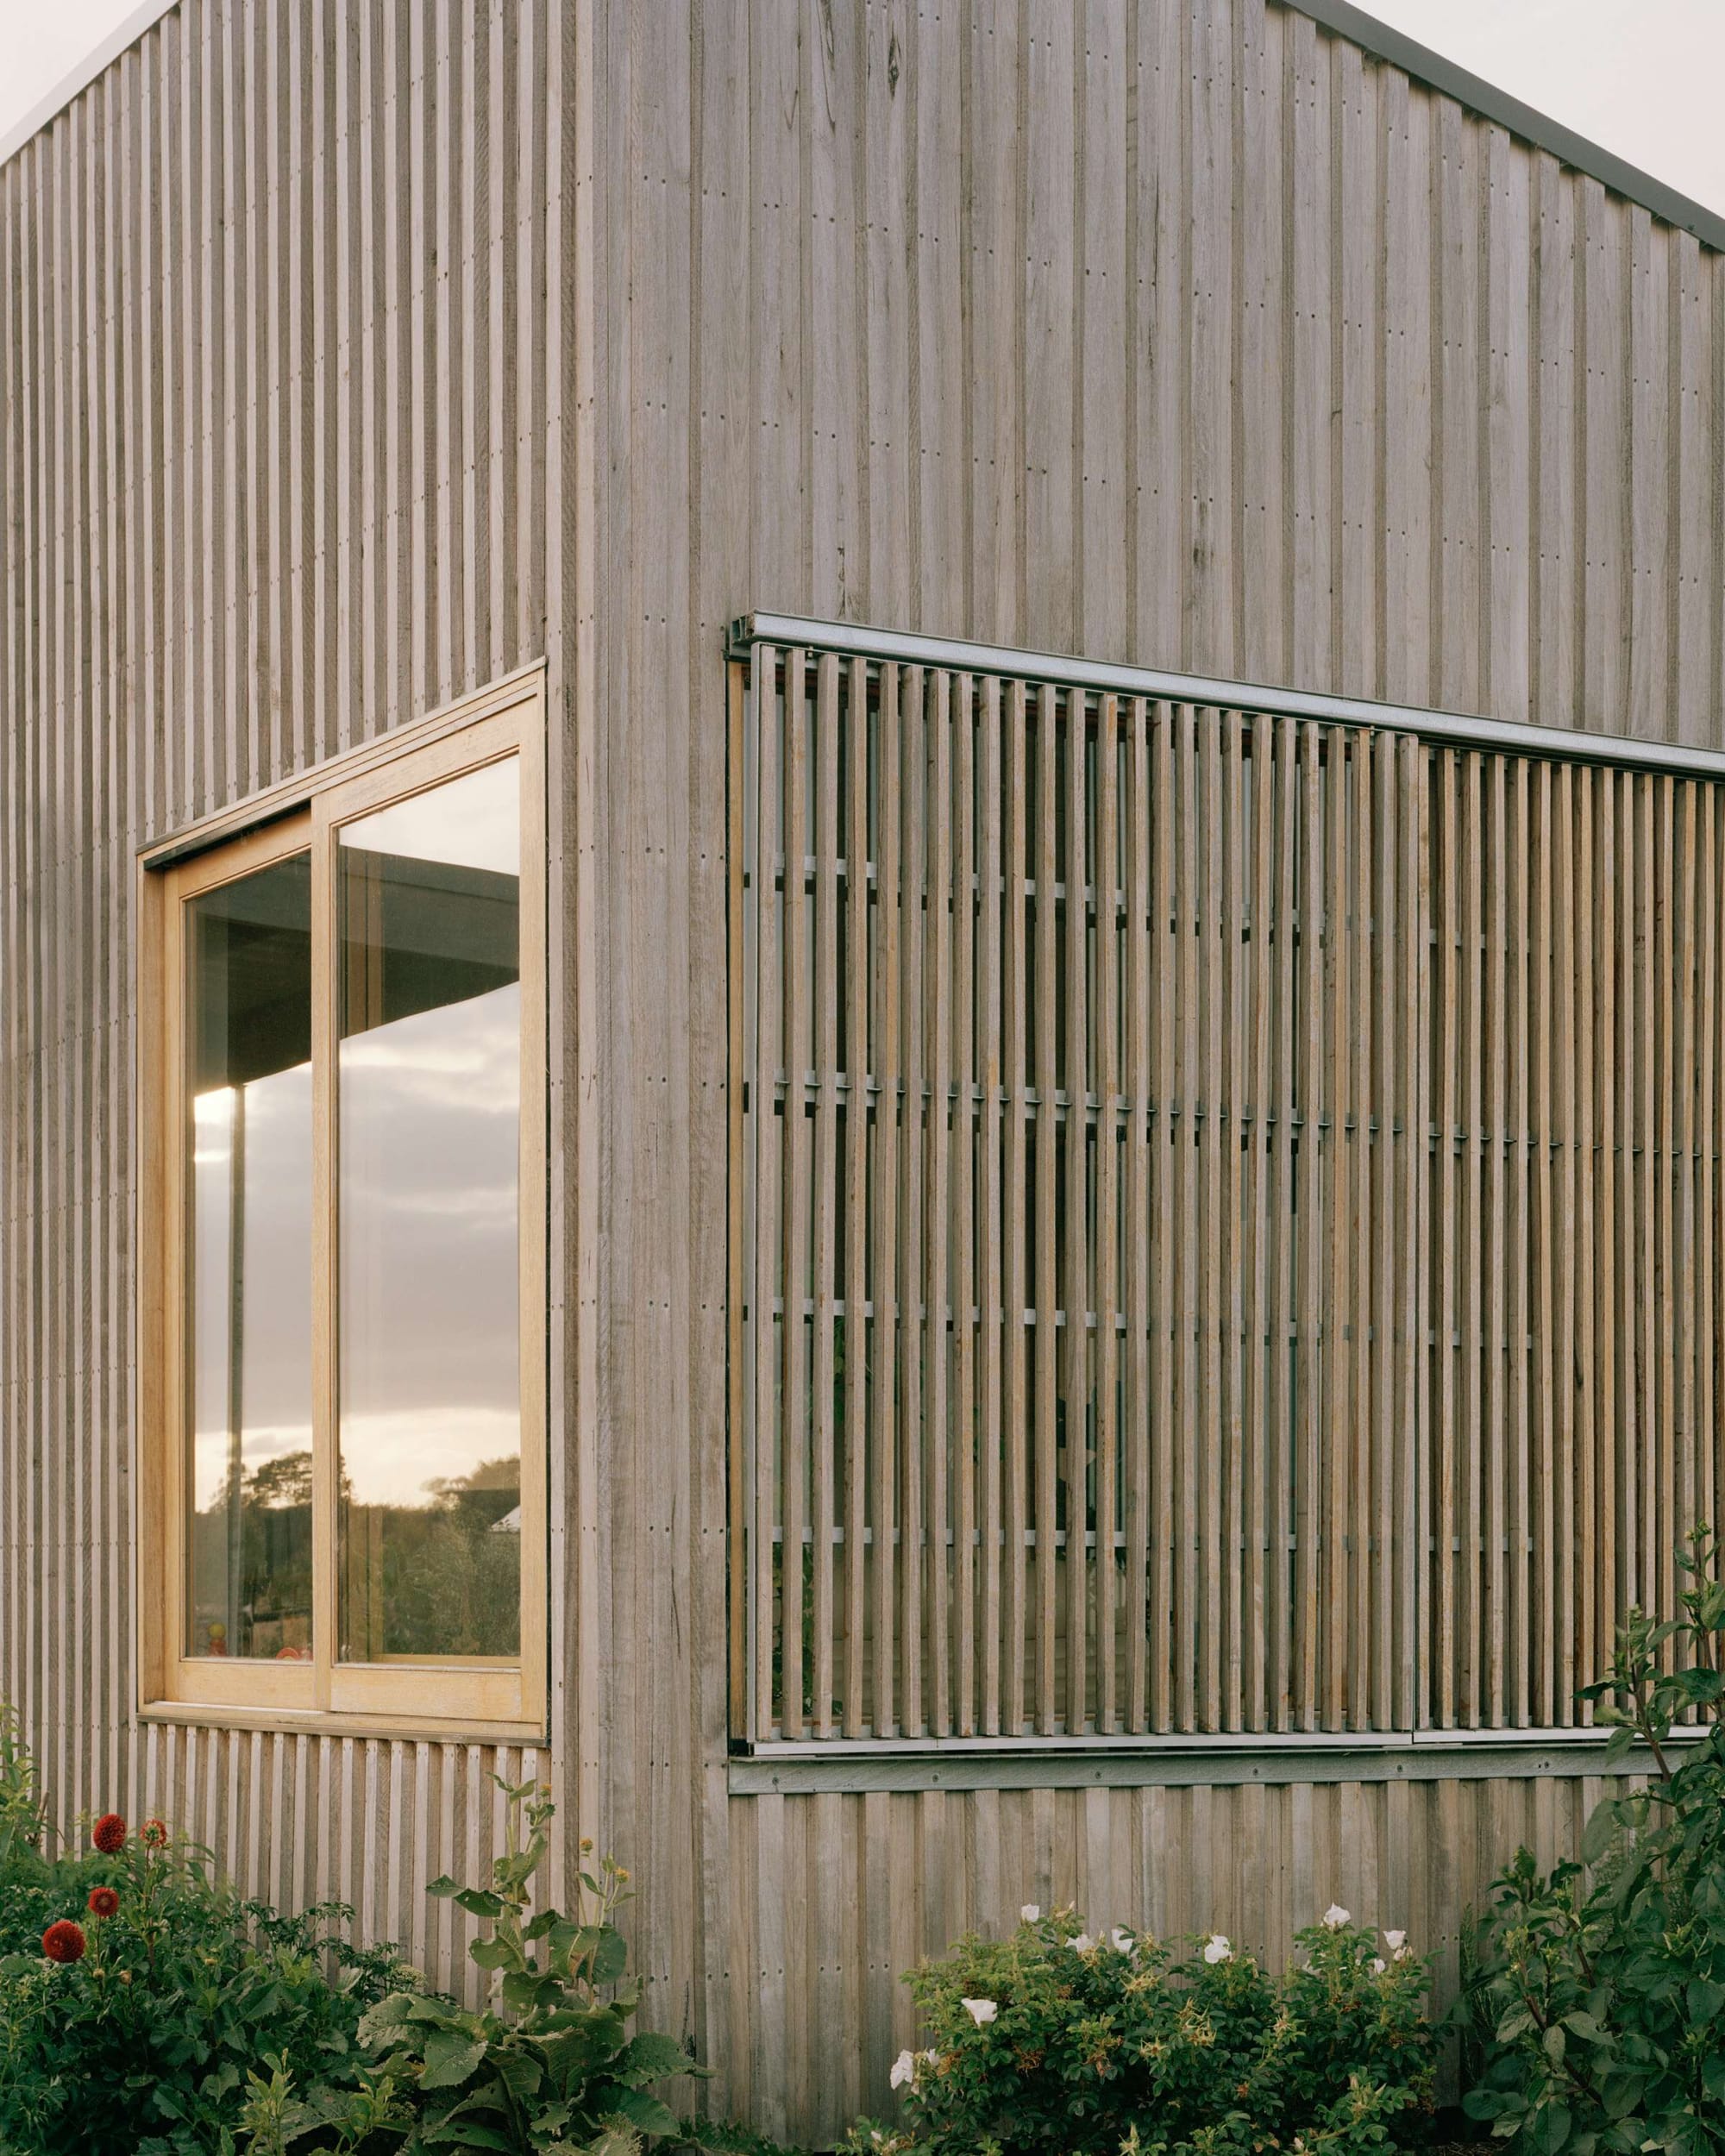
<point x="852" y="639"/>
<point x="807" y="1770"/>
<point x="119" y="39"/>
<point x="1522" y="120"/>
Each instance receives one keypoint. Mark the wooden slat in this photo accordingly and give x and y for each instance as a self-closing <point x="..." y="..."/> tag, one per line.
<point x="1190" y="976"/>
<point x="995" y="1073"/>
<point x="1139" y="1183"/>
<point x="769" y="1172"/>
<point x="1310" y="1167"/>
<point x="1163" y="1286"/>
<point x="862" y="1332"/>
<point x="966" y="1020"/>
<point x="937" y="1573"/>
<point x="794" y="1035"/>
<point x="912" y="796"/>
<point x="1106" y="875"/>
<point x="890" y="1325"/>
<point x="828" y="841"/>
<point x="1044" y="1215"/>
<point x="1073" y="1231"/>
<point x="1016" y="1039"/>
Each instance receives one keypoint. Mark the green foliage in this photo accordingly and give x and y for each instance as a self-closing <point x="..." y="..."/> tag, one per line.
<point x="1050" y="2041"/>
<point x="22" y="1822"/>
<point x="546" y="2065"/>
<point x="143" y="2045"/>
<point x="1602" y="1982"/>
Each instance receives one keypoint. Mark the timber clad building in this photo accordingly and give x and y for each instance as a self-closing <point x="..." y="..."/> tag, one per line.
<point x="930" y="1277"/>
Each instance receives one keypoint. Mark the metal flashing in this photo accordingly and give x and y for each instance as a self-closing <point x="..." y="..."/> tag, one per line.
<point x="118" y="40"/>
<point x="1339" y="17"/>
<point x="847" y="1768"/>
<point x="1342" y="19"/>
<point x="1575" y="745"/>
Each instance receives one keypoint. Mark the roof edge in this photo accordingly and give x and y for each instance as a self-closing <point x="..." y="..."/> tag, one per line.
<point x="125" y="34"/>
<point x="1339" y="17"/>
<point x="1490" y="103"/>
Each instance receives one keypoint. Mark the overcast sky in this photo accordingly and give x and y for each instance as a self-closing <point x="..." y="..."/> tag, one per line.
<point x="1640" y="76"/>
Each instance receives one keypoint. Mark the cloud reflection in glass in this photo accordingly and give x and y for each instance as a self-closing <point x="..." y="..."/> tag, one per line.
<point x="428" y="1078"/>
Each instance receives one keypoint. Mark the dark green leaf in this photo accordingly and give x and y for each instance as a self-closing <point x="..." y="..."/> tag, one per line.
<point x="651" y="2057"/>
<point x="451" y="2056"/>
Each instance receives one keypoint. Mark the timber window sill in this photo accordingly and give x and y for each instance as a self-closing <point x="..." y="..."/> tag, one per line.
<point x="310" y="1722"/>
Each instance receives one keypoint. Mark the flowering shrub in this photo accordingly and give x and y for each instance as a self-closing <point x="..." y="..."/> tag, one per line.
<point x="133" y="2031"/>
<point x="1053" y="2041"/>
<point x="1600" y="1984"/>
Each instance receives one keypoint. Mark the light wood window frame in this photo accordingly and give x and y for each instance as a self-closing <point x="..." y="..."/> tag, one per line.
<point x="455" y="1697"/>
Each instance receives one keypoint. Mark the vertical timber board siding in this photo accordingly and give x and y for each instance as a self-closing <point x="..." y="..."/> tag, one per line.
<point x="282" y="338"/>
<point x="843" y="1892"/>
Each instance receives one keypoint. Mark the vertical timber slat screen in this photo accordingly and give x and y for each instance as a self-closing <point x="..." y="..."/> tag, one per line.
<point x="1208" y="1179"/>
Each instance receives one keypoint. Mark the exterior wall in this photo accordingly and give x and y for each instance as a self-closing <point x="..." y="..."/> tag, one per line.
<point x="833" y="1895"/>
<point x="1184" y="335"/>
<point x="282" y="341"/>
<point x="353" y="353"/>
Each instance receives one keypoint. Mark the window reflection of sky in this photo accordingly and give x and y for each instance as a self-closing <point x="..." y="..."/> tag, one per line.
<point x="429" y="1360"/>
<point x="274" y="1375"/>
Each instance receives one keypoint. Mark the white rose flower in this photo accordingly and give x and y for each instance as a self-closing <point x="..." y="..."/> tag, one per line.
<point x="1031" y="1911"/>
<point x="1083" y="1944"/>
<point x="904" y="2070"/>
<point x="1379" y="1966"/>
<point x="1335" y="1917"/>
<point x="1397" y="1944"/>
<point x="981" y="2011"/>
<point x="1218" y="1949"/>
<point x="933" y="2057"/>
<point x="1121" y="1941"/>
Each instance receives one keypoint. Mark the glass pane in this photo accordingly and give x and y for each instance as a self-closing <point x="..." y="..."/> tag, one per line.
<point x="429" y="1559"/>
<point x="248" y="1224"/>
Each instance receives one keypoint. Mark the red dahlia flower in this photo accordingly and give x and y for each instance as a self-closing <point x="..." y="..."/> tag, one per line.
<point x="153" y="1834"/>
<point x="64" y="1941"/>
<point x="102" y="1901"/>
<point x="110" y="1833"/>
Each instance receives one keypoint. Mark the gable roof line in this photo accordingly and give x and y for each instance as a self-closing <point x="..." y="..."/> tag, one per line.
<point x="123" y="35"/>
<point x="1339" y="17"/>
<point x="1490" y="103"/>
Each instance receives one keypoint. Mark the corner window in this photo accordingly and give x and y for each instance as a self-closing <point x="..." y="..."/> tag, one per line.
<point x="344" y="1229"/>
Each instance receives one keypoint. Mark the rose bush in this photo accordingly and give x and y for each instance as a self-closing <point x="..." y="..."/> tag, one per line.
<point x="1052" y="2042"/>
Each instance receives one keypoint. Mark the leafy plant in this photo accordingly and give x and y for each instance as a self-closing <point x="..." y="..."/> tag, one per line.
<point x="1603" y="1980"/>
<point x="1050" y="2040"/>
<point x="140" y="2037"/>
<point x="546" y="2065"/>
<point x="23" y="1821"/>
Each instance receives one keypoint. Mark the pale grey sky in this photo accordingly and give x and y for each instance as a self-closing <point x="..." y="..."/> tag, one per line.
<point x="1641" y="76"/>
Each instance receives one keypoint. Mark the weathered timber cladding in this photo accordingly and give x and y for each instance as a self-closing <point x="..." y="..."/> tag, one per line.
<point x="281" y="457"/>
<point x="828" y="1893"/>
<point x="329" y="391"/>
